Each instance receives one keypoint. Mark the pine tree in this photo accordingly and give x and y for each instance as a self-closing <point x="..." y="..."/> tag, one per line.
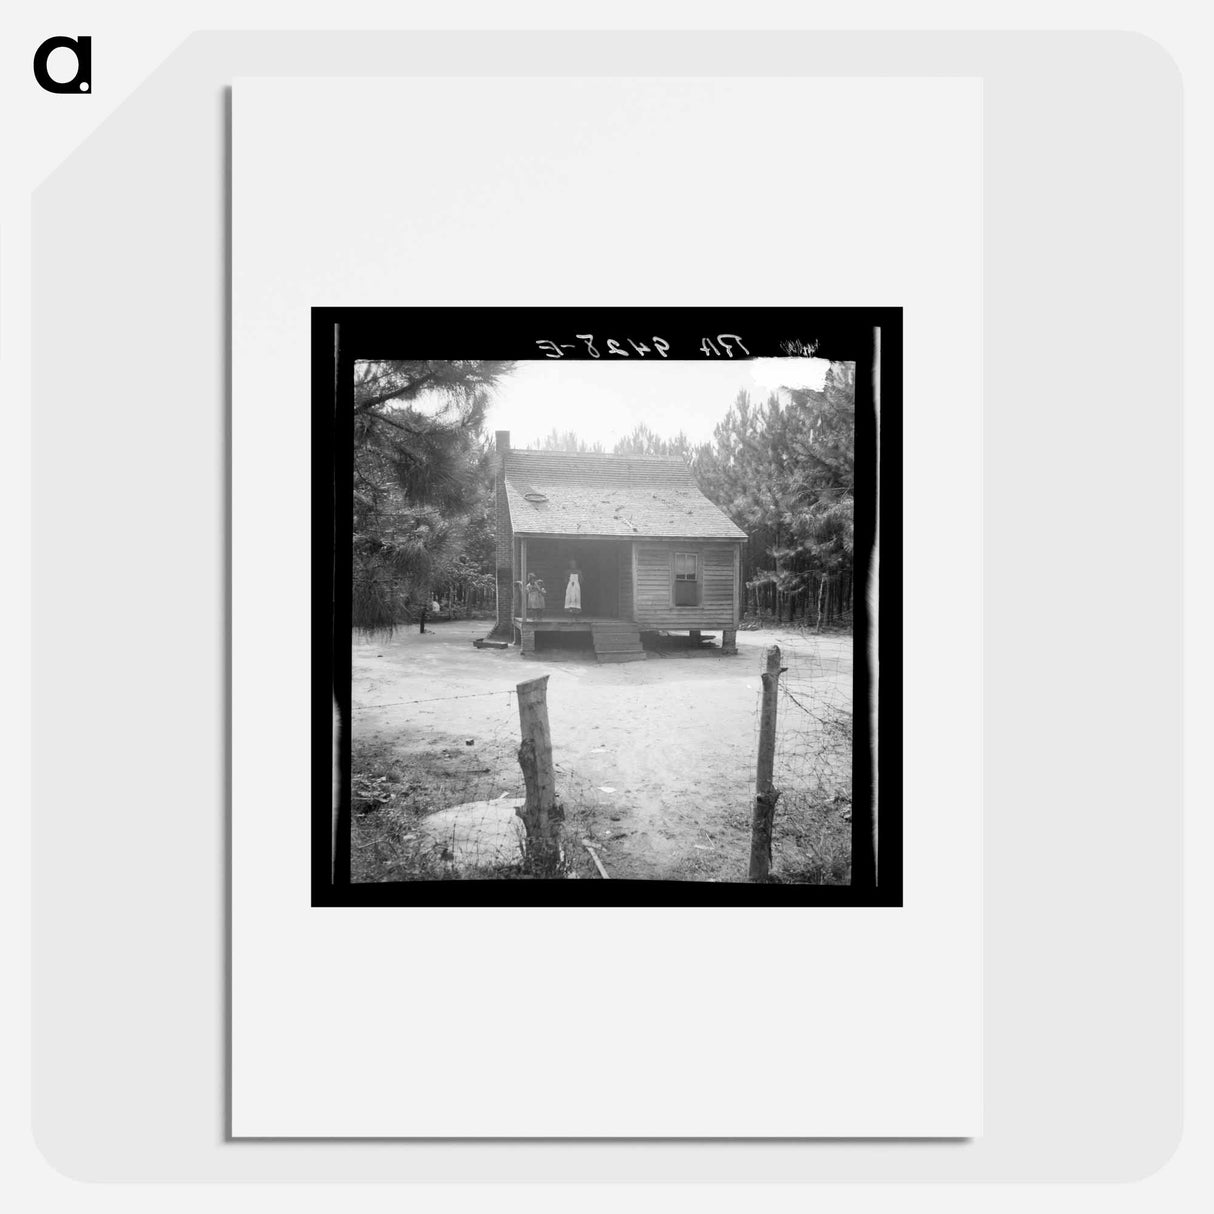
<point x="420" y="469"/>
<point x="785" y="473"/>
<point x="643" y="441"/>
<point x="566" y="440"/>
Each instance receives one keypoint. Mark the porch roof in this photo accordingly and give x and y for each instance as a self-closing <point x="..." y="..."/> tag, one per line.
<point x="561" y="493"/>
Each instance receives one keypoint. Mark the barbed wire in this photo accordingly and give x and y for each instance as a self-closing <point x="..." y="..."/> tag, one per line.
<point x="471" y="695"/>
<point x="813" y="757"/>
<point x="410" y="766"/>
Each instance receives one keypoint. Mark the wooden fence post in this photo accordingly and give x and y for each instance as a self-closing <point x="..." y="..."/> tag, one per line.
<point x="766" y="794"/>
<point x="541" y="814"/>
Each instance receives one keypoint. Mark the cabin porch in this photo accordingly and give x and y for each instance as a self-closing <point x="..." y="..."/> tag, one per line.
<point x="627" y="586"/>
<point x="611" y="639"/>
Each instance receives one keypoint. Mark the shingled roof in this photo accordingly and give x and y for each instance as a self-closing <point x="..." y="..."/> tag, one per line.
<point x="560" y="493"/>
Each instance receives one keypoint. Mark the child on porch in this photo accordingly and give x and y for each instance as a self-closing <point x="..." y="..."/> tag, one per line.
<point x="536" y="596"/>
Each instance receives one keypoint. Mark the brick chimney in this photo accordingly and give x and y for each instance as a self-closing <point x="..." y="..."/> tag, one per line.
<point x="504" y="628"/>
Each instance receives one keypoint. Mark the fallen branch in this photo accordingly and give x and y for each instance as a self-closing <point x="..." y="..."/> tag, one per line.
<point x="595" y="857"/>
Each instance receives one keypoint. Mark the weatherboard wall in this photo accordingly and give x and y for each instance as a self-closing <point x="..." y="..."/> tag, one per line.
<point x="717" y="606"/>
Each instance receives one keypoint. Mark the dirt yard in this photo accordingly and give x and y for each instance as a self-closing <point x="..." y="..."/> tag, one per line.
<point x="655" y="760"/>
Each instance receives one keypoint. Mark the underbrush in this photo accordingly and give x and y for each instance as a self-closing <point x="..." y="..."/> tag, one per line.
<point x="767" y="621"/>
<point x="813" y="821"/>
<point x="390" y="799"/>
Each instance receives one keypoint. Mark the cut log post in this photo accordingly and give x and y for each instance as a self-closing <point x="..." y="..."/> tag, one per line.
<point x="541" y="814"/>
<point x="766" y="794"/>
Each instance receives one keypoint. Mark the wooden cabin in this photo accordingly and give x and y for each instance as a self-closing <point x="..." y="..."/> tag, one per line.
<point x="653" y="553"/>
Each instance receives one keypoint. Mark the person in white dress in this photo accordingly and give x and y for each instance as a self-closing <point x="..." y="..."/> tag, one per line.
<point x="573" y="589"/>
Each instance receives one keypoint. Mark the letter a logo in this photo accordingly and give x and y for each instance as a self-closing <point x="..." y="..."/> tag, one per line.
<point x="82" y="81"/>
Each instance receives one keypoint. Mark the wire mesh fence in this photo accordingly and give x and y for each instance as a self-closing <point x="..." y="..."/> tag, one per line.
<point x="436" y="778"/>
<point x="813" y="761"/>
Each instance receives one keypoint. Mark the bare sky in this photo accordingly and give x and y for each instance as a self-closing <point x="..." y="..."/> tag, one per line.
<point x="601" y="401"/>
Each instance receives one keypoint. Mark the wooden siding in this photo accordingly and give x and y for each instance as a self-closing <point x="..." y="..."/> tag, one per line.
<point x="717" y="607"/>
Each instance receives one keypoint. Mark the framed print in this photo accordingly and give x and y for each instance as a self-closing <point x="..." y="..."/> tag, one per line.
<point x="590" y="575"/>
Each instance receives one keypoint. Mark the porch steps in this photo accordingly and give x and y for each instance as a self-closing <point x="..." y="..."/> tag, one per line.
<point x="617" y="641"/>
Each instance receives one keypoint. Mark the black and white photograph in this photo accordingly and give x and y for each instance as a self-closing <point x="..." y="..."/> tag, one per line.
<point x="667" y="425"/>
<point x="605" y="608"/>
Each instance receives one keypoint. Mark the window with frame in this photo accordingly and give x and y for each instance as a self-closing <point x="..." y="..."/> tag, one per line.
<point x="686" y="579"/>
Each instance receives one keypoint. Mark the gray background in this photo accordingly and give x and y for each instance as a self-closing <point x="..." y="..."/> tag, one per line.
<point x="1081" y="618"/>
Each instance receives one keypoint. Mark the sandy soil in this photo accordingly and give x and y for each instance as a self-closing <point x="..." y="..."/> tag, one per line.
<point x="655" y="760"/>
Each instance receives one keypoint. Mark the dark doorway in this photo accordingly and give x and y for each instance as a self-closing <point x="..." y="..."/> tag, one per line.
<point x="600" y="566"/>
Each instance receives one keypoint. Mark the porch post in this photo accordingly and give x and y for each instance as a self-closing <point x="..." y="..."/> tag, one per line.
<point x="514" y="543"/>
<point x="523" y="595"/>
